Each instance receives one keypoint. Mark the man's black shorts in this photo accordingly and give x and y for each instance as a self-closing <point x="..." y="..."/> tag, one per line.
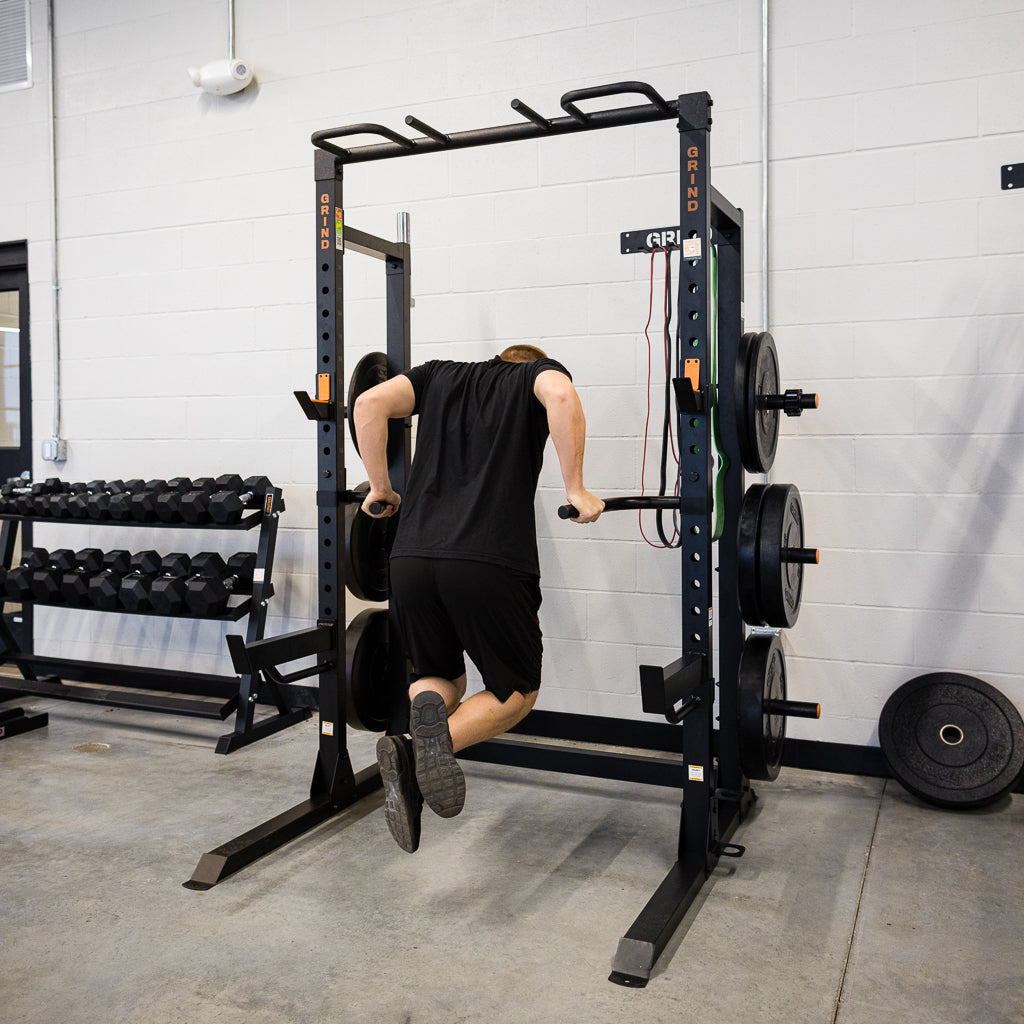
<point x="449" y="606"/>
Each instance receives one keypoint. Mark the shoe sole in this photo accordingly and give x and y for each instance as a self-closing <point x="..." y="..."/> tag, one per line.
<point x="400" y="811"/>
<point x="441" y="782"/>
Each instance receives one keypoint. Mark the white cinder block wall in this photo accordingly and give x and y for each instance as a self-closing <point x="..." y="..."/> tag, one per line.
<point x="187" y="291"/>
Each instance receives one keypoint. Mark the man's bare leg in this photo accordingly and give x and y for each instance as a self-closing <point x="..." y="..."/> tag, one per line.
<point x="482" y="716"/>
<point x="442" y="723"/>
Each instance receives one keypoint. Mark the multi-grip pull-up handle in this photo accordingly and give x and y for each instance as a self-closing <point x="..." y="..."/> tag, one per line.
<point x="623" y="504"/>
<point x="571" y="98"/>
<point x="533" y="126"/>
<point x="322" y="138"/>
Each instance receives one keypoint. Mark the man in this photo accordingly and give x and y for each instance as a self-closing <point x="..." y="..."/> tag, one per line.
<point x="465" y="577"/>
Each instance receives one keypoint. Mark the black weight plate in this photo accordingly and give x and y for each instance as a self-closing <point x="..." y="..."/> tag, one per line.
<point x="370" y="371"/>
<point x="762" y="734"/>
<point x="747" y="540"/>
<point x="747" y="451"/>
<point x="952" y="740"/>
<point x="367" y="547"/>
<point x="763" y="379"/>
<point x="780" y="582"/>
<point x="366" y="671"/>
<point x="756" y="376"/>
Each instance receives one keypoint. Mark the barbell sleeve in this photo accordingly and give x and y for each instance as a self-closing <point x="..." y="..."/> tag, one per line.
<point x="793" y="708"/>
<point x="806" y="556"/>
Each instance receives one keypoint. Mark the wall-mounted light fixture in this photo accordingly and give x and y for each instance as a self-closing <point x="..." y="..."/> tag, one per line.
<point x="225" y="76"/>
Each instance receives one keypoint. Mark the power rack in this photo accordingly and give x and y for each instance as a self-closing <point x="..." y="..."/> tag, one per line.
<point x="702" y="760"/>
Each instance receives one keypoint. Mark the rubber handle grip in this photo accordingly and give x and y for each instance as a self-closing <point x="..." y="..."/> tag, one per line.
<point x="634" y="502"/>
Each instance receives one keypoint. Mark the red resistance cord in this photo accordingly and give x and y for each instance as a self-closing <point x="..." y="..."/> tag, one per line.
<point x="665" y="318"/>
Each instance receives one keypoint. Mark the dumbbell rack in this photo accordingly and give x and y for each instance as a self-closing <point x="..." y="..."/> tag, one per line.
<point x="178" y="691"/>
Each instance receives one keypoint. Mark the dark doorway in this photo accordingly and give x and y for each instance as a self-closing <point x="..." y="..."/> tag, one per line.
<point x="15" y="390"/>
<point x="15" y="416"/>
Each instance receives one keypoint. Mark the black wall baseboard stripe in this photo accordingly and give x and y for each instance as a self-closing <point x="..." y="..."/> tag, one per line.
<point x="811" y="755"/>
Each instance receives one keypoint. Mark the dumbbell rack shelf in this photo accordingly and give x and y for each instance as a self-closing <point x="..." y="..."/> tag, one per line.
<point x="177" y="691"/>
<point x="247" y="523"/>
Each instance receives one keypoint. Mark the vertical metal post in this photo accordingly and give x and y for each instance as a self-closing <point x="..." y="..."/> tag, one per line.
<point x="333" y="771"/>
<point x="729" y="240"/>
<point x="643" y="943"/>
<point x="398" y="308"/>
<point x="697" y="467"/>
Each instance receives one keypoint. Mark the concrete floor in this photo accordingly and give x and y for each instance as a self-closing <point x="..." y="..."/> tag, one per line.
<point x="854" y="902"/>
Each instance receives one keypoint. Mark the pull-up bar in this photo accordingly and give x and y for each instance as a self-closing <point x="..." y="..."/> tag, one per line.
<point x="535" y="125"/>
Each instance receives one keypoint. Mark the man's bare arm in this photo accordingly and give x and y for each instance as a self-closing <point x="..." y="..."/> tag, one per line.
<point x="394" y="399"/>
<point x="568" y="427"/>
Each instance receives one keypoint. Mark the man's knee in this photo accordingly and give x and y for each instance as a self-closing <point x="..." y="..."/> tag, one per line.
<point x="519" y="705"/>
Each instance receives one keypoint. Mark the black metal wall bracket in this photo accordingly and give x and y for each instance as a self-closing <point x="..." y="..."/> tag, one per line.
<point x="314" y="409"/>
<point x="277" y="650"/>
<point x="648" y="240"/>
<point x="672" y="691"/>
<point x="1012" y="176"/>
<point x="688" y="398"/>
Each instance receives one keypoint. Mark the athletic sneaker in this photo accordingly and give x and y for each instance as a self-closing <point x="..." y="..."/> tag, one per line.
<point x="437" y="772"/>
<point x="402" y="800"/>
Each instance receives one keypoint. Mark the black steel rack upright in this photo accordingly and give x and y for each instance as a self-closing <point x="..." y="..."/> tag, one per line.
<point x="716" y="795"/>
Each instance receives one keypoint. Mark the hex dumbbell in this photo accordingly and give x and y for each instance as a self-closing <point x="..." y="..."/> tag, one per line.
<point x="98" y="505"/>
<point x="19" y="579"/>
<point x="195" y="506"/>
<point x="228" y="506"/>
<point x="144" y="505"/>
<point x="46" y="580"/>
<point x="167" y="594"/>
<point x="59" y="505"/>
<point x="210" y="595"/>
<point x="74" y="586"/>
<point x="133" y="594"/>
<point x="105" y="586"/>
<point x="118" y="505"/>
<point x="169" y="504"/>
<point x="78" y="505"/>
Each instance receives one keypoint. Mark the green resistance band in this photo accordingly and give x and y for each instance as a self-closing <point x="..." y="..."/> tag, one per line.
<point x="721" y="460"/>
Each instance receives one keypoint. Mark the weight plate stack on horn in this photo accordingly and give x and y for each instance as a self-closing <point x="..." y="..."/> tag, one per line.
<point x="370" y="371"/>
<point x="757" y="376"/>
<point x="747" y="542"/>
<point x="762" y="732"/>
<point x="366" y="671"/>
<point x="771" y="555"/>
<point x="764" y="706"/>
<point x="367" y="548"/>
<point x="759" y="403"/>
<point x="952" y="740"/>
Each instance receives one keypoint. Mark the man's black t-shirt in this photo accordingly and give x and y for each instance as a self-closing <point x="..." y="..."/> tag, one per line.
<point x="478" y="456"/>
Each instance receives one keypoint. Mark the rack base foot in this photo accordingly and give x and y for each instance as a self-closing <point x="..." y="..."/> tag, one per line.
<point x="645" y="941"/>
<point x="14" y="721"/>
<point x="232" y="741"/>
<point x="232" y="856"/>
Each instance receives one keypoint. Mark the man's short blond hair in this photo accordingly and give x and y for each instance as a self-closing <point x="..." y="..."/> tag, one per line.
<point x="523" y="354"/>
